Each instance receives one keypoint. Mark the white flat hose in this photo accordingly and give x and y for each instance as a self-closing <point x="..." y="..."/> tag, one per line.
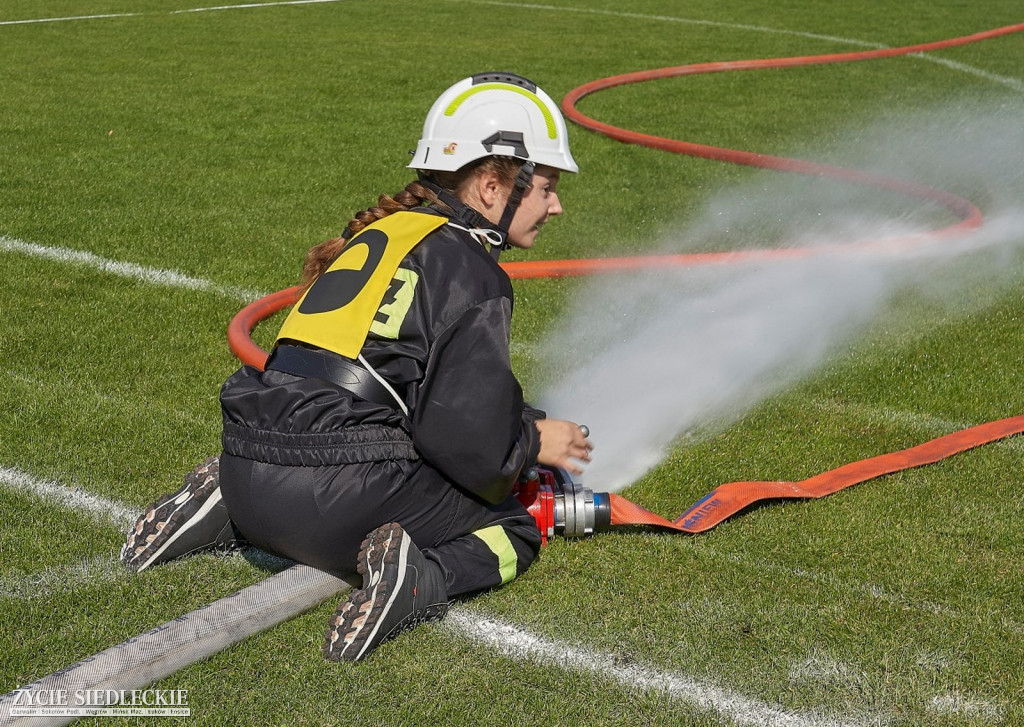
<point x="158" y="653"/>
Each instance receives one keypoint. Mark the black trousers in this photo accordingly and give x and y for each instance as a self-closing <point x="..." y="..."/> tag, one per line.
<point x="320" y="515"/>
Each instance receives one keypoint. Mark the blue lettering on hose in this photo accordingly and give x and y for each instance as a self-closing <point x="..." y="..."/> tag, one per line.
<point x="703" y="507"/>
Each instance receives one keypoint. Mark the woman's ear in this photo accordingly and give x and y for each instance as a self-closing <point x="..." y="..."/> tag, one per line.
<point x="485" y="192"/>
<point x="491" y="192"/>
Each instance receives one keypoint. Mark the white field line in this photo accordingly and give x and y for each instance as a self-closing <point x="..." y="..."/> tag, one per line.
<point x="820" y="668"/>
<point x="673" y="19"/>
<point x="959" y="704"/>
<point x="68" y="19"/>
<point x="105" y="569"/>
<point x="92" y="571"/>
<point x="1002" y="618"/>
<point x="518" y="643"/>
<point x="928" y="425"/>
<point x="153" y="276"/>
<point x="69" y="498"/>
<point x="1014" y="83"/>
<point x="885" y="415"/>
<point x="250" y="6"/>
<point x="1010" y="82"/>
<point x="246" y="6"/>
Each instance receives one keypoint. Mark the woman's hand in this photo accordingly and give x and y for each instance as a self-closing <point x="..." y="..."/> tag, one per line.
<point x="562" y="442"/>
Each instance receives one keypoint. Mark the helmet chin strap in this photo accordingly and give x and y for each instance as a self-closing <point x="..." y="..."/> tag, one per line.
<point x="496" y="234"/>
<point x="460" y="209"/>
<point x="522" y="182"/>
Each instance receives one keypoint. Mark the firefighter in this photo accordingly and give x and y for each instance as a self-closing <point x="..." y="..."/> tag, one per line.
<point x="388" y="430"/>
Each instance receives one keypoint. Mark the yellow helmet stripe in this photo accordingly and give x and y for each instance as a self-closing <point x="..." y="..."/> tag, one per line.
<point x="549" y="120"/>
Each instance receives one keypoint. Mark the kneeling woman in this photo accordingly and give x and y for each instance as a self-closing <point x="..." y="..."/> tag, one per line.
<point x="388" y="429"/>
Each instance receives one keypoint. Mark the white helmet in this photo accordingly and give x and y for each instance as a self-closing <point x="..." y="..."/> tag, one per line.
<point x="493" y="114"/>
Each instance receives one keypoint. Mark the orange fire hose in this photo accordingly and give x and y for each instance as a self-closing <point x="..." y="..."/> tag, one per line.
<point x="729" y="499"/>
<point x="732" y="498"/>
<point x="969" y="215"/>
<point x="240" y="329"/>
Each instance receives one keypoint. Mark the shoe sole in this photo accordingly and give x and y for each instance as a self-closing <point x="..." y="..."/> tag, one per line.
<point x="147" y="524"/>
<point x="363" y="636"/>
<point x="211" y="502"/>
<point x="403" y="558"/>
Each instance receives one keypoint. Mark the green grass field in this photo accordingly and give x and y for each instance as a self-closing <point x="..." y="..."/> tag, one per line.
<point x="220" y="145"/>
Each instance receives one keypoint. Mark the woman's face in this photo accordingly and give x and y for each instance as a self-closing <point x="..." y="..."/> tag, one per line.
<point x="540" y="201"/>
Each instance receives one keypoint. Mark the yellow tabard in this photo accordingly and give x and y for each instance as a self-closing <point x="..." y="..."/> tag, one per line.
<point x="337" y="311"/>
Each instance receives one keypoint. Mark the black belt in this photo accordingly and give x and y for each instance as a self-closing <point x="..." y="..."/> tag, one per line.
<point x="317" y="364"/>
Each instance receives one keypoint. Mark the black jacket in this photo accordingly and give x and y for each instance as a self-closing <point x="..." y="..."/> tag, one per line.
<point x="450" y="361"/>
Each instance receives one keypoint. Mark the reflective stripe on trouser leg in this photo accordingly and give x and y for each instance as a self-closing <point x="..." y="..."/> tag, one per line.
<point x="491" y="553"/>
<point x="497" y="540"/>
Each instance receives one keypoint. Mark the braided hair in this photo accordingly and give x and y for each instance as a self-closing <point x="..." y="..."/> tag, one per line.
<point x="415" y="194"/>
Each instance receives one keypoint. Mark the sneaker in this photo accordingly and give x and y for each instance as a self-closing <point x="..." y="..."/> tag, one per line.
<point x="401" y="589"/>
<point x="193" y="518"/>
